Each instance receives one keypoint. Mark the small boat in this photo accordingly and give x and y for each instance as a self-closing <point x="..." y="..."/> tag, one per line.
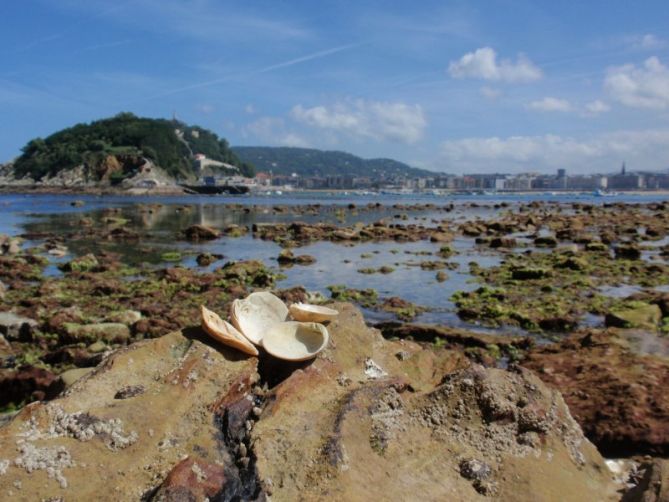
<point x="604" y="193"/>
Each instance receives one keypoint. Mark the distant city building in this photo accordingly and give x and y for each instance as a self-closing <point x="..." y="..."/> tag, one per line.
<point x="263" y="179"/>
<point x="586" y="183"/>
<point x="625" y="180"/>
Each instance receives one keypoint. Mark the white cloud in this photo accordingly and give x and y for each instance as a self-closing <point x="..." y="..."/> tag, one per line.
<point x="647" y="149"/>
<point x="273" y="130"/>
<point x="596" y="107"/>
<point x="381" y="121"/>
<point x="483" y="64"/>
<point x="647" y="41"/>
<point x="205" y="108"/>
<point x="490" y="92"/>
<point x="640" y="87"/>
<point x="550" y="104"/>
<point x="650" y="41"/>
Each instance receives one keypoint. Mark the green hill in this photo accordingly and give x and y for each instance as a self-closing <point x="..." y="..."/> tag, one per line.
<point x="126" y="138"/>
<point x="311" y="162"/>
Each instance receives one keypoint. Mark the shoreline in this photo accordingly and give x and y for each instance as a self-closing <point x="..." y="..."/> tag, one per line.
<point x="175" y="190"/>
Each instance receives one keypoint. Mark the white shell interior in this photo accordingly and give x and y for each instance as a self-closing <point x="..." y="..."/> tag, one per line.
<point x="295" y="341"/>
<point x="254" y="315"/>
<point x="315" y="313"/>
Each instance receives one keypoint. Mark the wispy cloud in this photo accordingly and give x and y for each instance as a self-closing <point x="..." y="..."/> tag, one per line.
<point x="273" y="130"/>
<point x="108" y="45"/>
<point x="550" y="104"/>
<point x="304" y="59"/>
<point x="72" y="27"/>
<point x="206" y="20"/>
<point x="596" y="107"/>
<point x="266" y="69"/>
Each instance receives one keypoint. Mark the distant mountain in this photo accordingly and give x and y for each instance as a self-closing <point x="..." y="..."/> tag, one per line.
<point x="311" y="162"/>
<point x="114" y="148"/>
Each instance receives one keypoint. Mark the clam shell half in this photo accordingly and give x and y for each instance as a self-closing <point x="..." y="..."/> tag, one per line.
<point x="225" y="332"/>
<point x="256" y="313"/>
<point x="313" y="313"/>
<point x="295" y="341"/>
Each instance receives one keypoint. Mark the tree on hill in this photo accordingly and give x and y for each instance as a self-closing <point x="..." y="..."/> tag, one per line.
<point x="124" y="135"/>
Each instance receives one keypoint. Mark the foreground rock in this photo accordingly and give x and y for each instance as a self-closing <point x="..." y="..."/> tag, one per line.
<point x="361" y="423"/>
<point x="176" y="418"/>
<point x="117" y="433"/>
<point x="613" y="386"/>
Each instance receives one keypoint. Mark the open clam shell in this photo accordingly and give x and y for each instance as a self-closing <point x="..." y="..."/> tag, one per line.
<point x="256" y="313"/>
<point x="295" y="341"/>
<point x="312" y="313"/>
<point x="225" y="332"/>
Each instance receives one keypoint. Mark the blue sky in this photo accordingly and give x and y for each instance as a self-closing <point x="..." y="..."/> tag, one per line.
<point x="454" y="86"/>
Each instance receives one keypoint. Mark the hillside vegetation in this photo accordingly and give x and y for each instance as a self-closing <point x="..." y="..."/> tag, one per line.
<point x="124" y="136"/>
<point x="311" y="162"/>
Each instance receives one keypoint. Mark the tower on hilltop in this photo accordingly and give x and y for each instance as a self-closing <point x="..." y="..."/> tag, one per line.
<point x="624" y="169"/>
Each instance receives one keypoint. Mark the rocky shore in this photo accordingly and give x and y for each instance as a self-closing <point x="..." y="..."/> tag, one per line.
<point x="102" y="368"/>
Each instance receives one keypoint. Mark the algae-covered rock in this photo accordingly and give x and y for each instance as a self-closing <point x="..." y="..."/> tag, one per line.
<point x="573" y="263"/>
<point x="286" y="257"/>
<point x="110" y="332"/>
<point x="547" y="241"/>
<point x="206" y="259"/>
<point x="528" y="273"/>
<point x="127" y="317"/>
<point x="503" y="242"/>
<point x="642" y="316"/>
<point x="596" y="246"/>
<point x="617" y="394"/>
<point x="201" y="233"/>
<point x="628" y="252"/>
<point x="81" y="264"/>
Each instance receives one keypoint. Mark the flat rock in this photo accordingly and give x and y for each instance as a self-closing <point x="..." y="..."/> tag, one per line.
<point x="644" y="316"/>
<point x="69" y="377"/>
<point x="111" y="332"/>
<point x="127" y="317"/>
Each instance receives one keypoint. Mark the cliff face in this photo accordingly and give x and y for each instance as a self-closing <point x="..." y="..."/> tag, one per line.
<point x="180" y="418"/>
